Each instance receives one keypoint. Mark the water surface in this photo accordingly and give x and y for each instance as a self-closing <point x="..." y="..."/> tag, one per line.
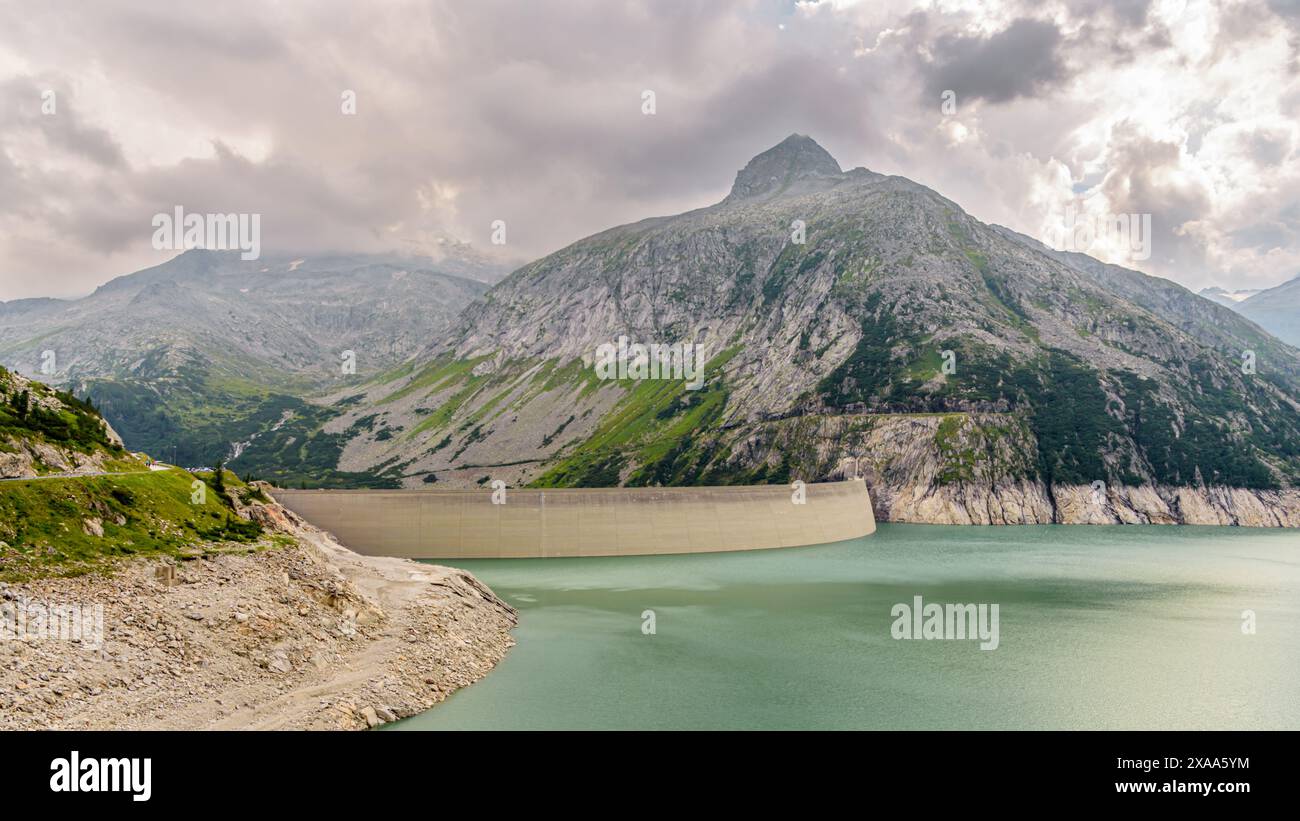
<point x="1100" y="627"/>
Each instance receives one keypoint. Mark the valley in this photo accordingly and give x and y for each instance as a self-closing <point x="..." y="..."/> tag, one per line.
<point x="208" y="350"/>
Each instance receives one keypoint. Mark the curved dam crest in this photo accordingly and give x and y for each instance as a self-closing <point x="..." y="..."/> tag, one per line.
<point x="465" y="524"/>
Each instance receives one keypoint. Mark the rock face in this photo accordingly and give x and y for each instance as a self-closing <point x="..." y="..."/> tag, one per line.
<point x="797" y="161"/>
<point x="924" y="469"/>
<point x="1007" y="502"/>
<point x="27" y="458"/>
<point x="975" y="375"/>
<point x="43" y="431"/>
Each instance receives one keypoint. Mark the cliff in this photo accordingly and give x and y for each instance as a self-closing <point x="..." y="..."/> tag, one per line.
<point x="978" y="469"/>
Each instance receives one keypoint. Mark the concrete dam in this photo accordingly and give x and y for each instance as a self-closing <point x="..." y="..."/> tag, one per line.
<point x="467" y="524"/>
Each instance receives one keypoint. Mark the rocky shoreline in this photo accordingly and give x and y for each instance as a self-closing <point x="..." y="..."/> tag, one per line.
<point x="1026" y="502"/>
<point x="296" y="633"/>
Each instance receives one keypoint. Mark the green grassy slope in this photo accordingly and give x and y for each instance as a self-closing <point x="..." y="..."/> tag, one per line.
<point x="74" y="425"/>
<point x="155" y="513"/>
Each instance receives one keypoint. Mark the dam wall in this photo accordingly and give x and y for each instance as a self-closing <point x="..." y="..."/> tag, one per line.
<point x="465" y="524"/>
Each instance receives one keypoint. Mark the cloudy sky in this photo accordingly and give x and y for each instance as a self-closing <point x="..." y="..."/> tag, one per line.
<point x="531" y="113"/>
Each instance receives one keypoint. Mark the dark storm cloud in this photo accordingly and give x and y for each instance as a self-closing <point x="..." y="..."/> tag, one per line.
<point x="22" y="99"/>
<point x="1022" y="60"/>
<point x="1289" y="9"/>
<point x="1131" y="12"/>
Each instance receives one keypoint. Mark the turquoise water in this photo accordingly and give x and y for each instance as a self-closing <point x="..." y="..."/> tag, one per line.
<point x="1099" y="627"/>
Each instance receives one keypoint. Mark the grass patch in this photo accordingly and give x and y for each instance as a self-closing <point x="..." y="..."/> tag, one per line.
<point x="441" y="371"/>
<point x="649" y="424"/>
<point x="150" y="514"/>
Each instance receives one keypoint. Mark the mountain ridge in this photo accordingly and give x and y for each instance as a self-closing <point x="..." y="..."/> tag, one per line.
<point x="204" y="354"/>
<point x="1277" y="309"/>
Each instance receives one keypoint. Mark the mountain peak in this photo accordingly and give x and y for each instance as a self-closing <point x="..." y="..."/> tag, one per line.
<point x="794" y="158"/>
<point x="1223" y="296"/>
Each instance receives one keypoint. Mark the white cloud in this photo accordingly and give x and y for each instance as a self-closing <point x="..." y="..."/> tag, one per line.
<point x="530" y="113"/>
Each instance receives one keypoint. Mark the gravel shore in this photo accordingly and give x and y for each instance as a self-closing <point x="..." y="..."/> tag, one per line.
<point x="298" y="633"/>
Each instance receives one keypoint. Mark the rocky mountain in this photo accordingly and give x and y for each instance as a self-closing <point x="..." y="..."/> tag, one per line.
<point x="1226" y="297"/>
<point x="852" y="321"/>
<point x="1276" y="309"/>
<point x="209" y="356"/>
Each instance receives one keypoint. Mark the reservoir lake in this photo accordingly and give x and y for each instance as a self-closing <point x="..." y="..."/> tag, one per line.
<point x="1099" y="627"/>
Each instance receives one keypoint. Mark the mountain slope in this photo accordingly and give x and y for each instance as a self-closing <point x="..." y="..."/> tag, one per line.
<point x="1277" y="310"/>
<point x="48" y="432"/>
<point x="969" y="376"/>
<point x="208" y="355"/>
<point x="1215" y="324"/>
